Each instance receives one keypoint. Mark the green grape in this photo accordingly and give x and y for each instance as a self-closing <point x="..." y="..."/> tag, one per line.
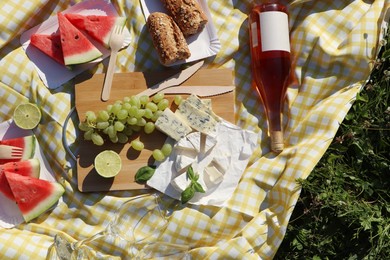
<point x="88" y="134"/>
<point x="178" y="99"/>
<point x="132" y="120"/>
<point x="148" y="113"/>
<point x="163" y="104"/>
<point x="122" y="138"/>
<point x="83" y="126"/>
<point x="133" y="111"/>
<point x="158" y="155"/>
<point x="114" y="139"/>
<point x="144" y="99"/>
<point x="102" y="125"/>
<point x="158" y="97"/>
<point x="105" y="130"/>
<point x="91" y="116"/>
<point x="126" y="99"/>
<point x="109" y="108"/>
<point x="140" y="113"/>
<point x="122" y="114"/>
<point x="126" y="106"/>
<point x="103" y="115"/>
<point x="116" y="108"/>
<point x="134" y="101"/>
<point x="127" y="131"/>
<point x="152" y="106"/>
<point x="156" y="115"/>
<point x="137" y="145"/>
<point x="166" y="149"/>
<point x="141" y="121"/>
<point x="136" y="128"/>
<point x="97" y="139"/>
<point x="119" y="126"/>
<point x="111" y="132"/>
<point x="149" y="127"/>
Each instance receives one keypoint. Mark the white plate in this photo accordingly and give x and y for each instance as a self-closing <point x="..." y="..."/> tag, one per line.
<point x="10" y="215"/>
<point x="52" y="73"/>
<point x="202" y="45"/>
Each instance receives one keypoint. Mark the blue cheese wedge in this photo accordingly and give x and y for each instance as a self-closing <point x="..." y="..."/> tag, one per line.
<point x="203" y="105"/>
<point x="172" y="125"/>
<point x="197" y="119"/>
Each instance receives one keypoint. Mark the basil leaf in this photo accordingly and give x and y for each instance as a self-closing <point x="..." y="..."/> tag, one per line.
<point x="187" y="194"/>
<point x="198" y="187"/>
<point x="144" y="174"/>
<point x="190" y="173"/>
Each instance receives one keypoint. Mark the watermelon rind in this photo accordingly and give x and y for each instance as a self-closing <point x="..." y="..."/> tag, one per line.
<point x="29" y="147"/>
<point x="25" y="142"/>
<point x="76" y="48"/>
<point x="99" y="27"/>
<point x="28" y="191"/>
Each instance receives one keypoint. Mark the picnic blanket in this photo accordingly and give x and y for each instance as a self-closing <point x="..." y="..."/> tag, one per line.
<point x="333" y="44"/>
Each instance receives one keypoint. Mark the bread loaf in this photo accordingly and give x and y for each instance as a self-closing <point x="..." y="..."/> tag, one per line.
<point x="188" y="15"/>
<point x="167" y="38"/>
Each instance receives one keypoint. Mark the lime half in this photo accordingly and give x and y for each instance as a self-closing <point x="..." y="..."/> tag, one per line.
<point x="27" y="115"/>
<point x="108" y="163"/>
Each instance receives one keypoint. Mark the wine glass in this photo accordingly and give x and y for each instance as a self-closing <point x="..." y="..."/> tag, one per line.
<point x="134" y="233"/>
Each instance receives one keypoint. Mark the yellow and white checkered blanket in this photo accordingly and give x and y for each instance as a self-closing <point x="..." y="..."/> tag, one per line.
<point x="333" y="43"/>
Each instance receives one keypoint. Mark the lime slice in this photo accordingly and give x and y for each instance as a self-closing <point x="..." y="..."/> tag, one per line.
<point x="27" y="115"/>
<point x="108" y="163"/>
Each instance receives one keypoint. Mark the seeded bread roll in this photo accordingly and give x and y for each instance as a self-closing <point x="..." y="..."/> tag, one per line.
<point x="167" y="38"/>
<point x="188" y="15"/>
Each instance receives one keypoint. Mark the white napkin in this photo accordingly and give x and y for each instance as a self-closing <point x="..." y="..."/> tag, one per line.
<point x="230" y="139"/>
<point x="10" y="215"/>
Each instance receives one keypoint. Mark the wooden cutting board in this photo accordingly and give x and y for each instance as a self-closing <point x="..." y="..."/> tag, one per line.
<point x="87" y="97"/>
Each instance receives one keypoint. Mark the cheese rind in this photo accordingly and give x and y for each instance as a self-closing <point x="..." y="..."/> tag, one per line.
<point x="172" y="125"/>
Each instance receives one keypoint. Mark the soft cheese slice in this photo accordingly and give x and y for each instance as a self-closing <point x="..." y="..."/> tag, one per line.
<point x="172" y="125"/>
<point x="202" y="143"/>
<point x="185" y="154"/>
<point x="197" y="119"/>
<point x="213" y="175"/>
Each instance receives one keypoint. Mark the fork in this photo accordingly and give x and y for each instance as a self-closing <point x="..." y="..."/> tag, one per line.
<point x="10" y="152"/>
<point x="116" y="41"/>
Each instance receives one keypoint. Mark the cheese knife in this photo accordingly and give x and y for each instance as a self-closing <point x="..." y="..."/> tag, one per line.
<point x="201" y="91"/>
<point x="174" y="80"/>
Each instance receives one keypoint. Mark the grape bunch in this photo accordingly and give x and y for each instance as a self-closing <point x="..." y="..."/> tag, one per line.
<point x="123" y="118"/>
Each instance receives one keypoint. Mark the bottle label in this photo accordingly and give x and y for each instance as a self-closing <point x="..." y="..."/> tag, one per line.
<point x="274" y="31"/>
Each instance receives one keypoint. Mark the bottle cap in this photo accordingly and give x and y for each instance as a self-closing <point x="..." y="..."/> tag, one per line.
<point x="277" y="143"/>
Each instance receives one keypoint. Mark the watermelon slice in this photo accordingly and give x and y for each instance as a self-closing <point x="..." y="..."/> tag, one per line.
<point x="98" y="27"/>
<point x="50" y="45"/>
<point x="31" y="168"/>
<point x="76" y="48"/>
<point x="25" y="142"/>
<point x="33" y="196"/>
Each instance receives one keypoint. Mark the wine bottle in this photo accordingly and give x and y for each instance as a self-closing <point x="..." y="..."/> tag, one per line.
<point x="271" y="63"/>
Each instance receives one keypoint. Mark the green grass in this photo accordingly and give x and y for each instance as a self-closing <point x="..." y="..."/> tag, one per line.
<point x="344" y="208"/>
